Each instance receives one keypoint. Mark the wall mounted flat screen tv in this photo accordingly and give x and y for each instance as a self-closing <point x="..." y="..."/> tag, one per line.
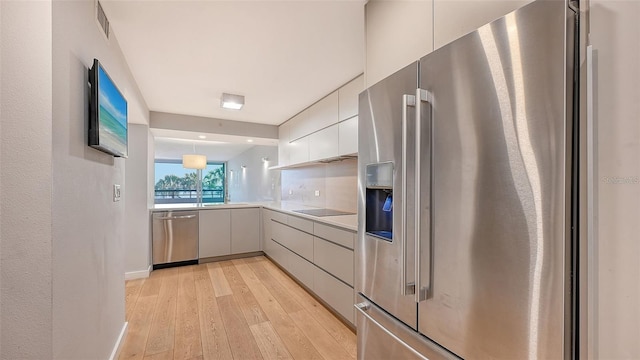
<point x="107" y="113"/>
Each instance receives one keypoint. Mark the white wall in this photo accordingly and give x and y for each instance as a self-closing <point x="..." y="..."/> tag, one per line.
<point x="256" y="182"/>
<point x="88" y="227"/>
<point x="396" y="34"/>
<point x="615" y="34"/>
<point x="25" y="180"/>
<point x="135" y="196"/>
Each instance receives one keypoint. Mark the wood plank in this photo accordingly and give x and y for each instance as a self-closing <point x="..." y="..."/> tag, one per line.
<point x="320" y="338"/>
<point x="244" y="297"/>
<point x="288" y="303"/>
<point x="132" y="291"/>
<point x="294" y="339"/>
<point x="162" y="333"/>
<point x="269" y="342"/>
<point x="187" y="342"/>
<point x="167" y="355"/>
<point x="139" y="325"/>
<point x="215" y="344"/>
<point x="218" y="280"/>
<point x="151" y="286"/>
<point x="335" y="327"/>
<point x="241" y="340"/>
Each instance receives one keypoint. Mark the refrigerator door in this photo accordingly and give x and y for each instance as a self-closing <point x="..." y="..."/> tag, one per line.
<point x="496" y="270"/>
<point x="381" y="262"/>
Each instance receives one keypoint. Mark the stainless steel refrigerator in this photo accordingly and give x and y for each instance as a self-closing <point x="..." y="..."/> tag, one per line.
<point x="467" y="196"/>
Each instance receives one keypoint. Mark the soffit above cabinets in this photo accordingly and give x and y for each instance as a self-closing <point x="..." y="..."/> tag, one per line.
<point x="281" y="55"/>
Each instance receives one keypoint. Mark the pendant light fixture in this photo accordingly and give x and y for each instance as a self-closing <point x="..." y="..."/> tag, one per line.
<point x="198" y="162"/>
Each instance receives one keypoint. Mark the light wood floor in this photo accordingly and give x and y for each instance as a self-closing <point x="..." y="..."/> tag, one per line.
<point x="238" y="309"/>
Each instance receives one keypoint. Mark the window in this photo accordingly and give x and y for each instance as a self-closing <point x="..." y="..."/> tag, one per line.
<point x="175" y="184"/>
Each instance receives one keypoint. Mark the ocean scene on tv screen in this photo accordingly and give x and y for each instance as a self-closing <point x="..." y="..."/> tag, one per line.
<point x="113" y="115"/>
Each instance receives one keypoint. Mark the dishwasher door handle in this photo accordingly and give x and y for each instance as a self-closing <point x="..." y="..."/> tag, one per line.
<point x="175" y="217"/>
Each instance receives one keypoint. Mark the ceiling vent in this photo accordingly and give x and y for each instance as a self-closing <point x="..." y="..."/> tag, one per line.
<point x="101" y="17"/>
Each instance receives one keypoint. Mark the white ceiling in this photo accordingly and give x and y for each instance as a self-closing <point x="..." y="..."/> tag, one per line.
<point x="173" y="149"/>
<point x="281" y="55"/>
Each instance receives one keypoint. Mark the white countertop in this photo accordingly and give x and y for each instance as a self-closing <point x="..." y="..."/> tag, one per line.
<point x="349" y="222"/>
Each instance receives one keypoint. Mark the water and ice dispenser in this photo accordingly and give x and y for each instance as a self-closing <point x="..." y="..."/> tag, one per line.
<point x="379" y="201"/>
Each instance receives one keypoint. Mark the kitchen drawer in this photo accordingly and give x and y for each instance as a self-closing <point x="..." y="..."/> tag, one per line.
<point x="297" y="241"/>
<point x="334" y="292"/>
<point x="338" y="236"/>
<point x="279" y="254"/>
<point x="301" y="269"/>
<point x="279" y="217"/>
<point x="301" y="224"/>
<point x="335" y="259"/>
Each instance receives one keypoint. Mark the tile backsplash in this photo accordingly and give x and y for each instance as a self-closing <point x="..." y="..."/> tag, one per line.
<point x="335" y="183"/>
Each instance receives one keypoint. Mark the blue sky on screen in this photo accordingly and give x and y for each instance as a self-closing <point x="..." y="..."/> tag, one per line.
<point x="111" y="99"/>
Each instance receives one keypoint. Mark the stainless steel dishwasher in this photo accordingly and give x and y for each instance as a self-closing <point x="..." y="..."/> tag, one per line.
<point x="175" y="238"/>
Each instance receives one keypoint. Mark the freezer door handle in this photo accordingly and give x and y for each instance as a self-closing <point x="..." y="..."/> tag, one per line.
<point x="363" y="309"/>
<point x="421" y="293"/>
<point x="407" y="288"/>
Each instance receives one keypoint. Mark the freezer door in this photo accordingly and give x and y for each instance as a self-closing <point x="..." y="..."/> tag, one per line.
<point x="383" y="270"/>
<point x="382" y="337"/>
<point x="496" y="270"/>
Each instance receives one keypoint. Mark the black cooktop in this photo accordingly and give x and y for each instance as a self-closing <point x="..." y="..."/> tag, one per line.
<point x="323" y="212"/>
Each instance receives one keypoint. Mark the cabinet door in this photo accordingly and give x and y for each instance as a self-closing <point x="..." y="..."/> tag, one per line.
<point x="336" y="293"/>
<point x="245" y="230"/>
<point x="266" y="230"/>
<point x="297" y="125"/>
<point x="324" y="143"/>
<point x="322" y="114"/>
<point x="334" y="259"/>
<point x="454" y="19"/>
<point x="283" y="144"/>
<point x="299" y="151"/>
<point x="348" y="98"/>
<point x="214" y="233"/>
<point x="348" y="136"/>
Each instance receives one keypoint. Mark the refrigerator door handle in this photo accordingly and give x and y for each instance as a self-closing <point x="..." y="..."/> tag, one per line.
<point x="421" y="293"/>
<point x="363" y="307"/>
<point x="407" y="288"/>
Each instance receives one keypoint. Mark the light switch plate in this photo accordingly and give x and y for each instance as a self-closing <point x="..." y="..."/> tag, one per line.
<point x="116" y="192"/>
<point x="317" y="193"/>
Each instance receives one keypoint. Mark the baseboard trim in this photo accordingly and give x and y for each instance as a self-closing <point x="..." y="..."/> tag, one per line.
<point x="115" y="353"/>
<point x="142" y="274"/>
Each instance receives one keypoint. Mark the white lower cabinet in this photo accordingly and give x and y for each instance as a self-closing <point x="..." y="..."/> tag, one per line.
<point x="214" y="233"/>
<point x="245" y="230"/>
<point x="228" y="231"/>
<point x="301" y="269"/>
<point x="334" y="292"/>
<point x="335" y="259"/>
<point x="322" y="261"/>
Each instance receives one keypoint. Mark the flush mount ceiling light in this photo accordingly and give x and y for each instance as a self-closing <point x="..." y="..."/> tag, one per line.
<point x="201" y="137"/>
<point x="249" y="140"/>
<point x="231" y="101"/>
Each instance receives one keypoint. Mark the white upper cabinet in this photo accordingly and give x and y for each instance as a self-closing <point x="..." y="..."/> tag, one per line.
<point x="314" y="134"/>
<point x="397" y="33"/>
<point x="322" y="114"/>
<point x="298" y="126"/>
<point x="456" y="18"/>
<point x="299" y="151"/>
<point x="348" y="136"/>
<point x="348" y="98"/>
<point x="283" y="144"/>
<point x="323" y="144"/>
